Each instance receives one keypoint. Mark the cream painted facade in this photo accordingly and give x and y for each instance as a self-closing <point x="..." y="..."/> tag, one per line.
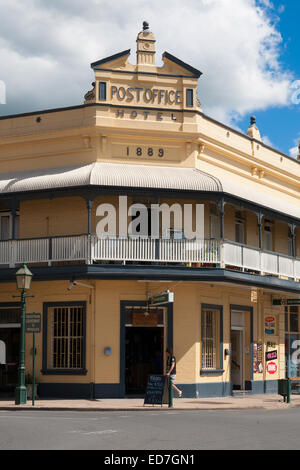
<point x="141" y="132"/>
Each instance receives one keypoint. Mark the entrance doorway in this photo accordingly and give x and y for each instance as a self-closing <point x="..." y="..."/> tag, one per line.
<point x="237" y="358"/>
<point x="144" y="356"/>
<point x="10" y="334"/>
<point x="144" y="346"/>
<point x="9" y="370"/>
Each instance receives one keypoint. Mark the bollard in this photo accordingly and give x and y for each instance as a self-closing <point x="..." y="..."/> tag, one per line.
<point x="170" y="392"/>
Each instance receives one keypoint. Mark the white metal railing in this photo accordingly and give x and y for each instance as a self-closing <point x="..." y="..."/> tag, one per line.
<point x="90" y="248"/>
<point x="265" y="262"/>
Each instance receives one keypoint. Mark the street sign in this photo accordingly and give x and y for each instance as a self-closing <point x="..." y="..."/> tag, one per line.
<point x="33" y="323"/>
<point x="286" y="302"/>
<point x="161" y="299"/>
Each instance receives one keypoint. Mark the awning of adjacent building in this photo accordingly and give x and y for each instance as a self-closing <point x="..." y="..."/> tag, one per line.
<point x="138" y="176"/>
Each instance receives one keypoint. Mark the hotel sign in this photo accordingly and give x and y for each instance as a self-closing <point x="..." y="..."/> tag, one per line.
<point x="161" y="299"/>
<point x="147" y="96"/>
<point x="286" y="302"/>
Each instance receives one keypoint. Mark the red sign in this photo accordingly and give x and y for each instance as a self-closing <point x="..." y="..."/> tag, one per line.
<point x="269" y="319"/>
<point x="272" y="367"/>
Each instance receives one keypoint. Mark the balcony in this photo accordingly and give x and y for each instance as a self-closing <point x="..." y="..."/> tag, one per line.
<point x="89" y="249"/>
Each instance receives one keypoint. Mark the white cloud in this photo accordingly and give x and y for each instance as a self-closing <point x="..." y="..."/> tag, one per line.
<point x="294" y="151"/>
<point x="267" y="141"/>
<point x="46" y="49"/>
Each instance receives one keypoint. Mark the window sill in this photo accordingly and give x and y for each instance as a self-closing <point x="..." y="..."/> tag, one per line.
<point x="212" y="372"/>
<point x="64" y="372"/>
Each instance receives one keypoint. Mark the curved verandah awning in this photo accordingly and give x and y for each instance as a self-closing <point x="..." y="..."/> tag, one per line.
<point x="103" y="174"/>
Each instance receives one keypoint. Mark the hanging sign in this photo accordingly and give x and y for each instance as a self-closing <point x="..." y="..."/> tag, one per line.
<point x="286" y="302"/>
<point x="162" y="298"/>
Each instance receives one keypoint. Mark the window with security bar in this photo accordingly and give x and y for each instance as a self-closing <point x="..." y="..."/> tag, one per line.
<point x="209" y="338"/>
<point x="67" y="338"/>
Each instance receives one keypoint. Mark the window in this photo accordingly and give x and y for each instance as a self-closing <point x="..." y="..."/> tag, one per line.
<point x="189" y="97"/>
<point x="102" y="91"/>
<point x="6" y="226"/>
<point x="214" y="222"/>
<point x="64" y="346"/>
<point x="290" y="243"/>
<point x="268" y="237"/>
<point x="211" y="338"/>
<point x="239" y="228"/>
<point x="66" y="337"/>
<point x="292" y="341"/>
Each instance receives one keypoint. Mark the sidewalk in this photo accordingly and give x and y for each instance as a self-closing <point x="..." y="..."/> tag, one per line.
<point x="266" y="402"/>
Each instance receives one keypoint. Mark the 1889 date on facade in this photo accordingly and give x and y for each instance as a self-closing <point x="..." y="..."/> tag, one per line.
<point x="147" y="152"/>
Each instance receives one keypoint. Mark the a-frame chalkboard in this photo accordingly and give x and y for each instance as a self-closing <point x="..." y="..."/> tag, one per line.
<point x="157" y="391"/>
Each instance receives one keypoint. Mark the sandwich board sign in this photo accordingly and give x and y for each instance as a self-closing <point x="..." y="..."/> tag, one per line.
<point x="157" y="391"/>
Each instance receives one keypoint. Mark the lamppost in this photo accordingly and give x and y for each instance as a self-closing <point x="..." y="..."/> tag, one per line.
<point x="23" y="277"/>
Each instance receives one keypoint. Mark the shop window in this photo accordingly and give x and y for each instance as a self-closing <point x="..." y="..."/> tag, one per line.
<point x="292" y="341"/>
<point x="211" y="337"/>
<point x="64" y="338"/>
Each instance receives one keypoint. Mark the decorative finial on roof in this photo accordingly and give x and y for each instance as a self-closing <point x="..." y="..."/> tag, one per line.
<point x="253" y="130"/>
<point x="145" y="47"/>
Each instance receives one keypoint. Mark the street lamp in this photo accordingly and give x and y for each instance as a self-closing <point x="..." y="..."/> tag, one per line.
<point x="23" y="278"/>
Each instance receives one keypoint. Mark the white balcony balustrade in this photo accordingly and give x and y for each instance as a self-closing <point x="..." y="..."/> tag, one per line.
<point x="91" y="249"/>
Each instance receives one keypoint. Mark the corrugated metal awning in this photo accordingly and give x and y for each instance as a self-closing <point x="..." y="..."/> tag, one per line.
<point x="140" y="176"/>
<point x="110" y="174"/>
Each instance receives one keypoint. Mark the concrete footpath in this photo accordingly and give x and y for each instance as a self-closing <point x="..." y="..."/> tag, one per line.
<point x="265" y="402"/>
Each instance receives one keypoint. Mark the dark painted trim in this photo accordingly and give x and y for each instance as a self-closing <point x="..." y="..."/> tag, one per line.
<point x="182" y="64"/>
<point x="220" y="368"/>
<point x="111" y="58"/>
<point x="45" y="369"/>
<point x="212" y="372"/>
<point x="134" y="303"/>
<point x="245" y="308"/>
<point x="152" y="272"/>
<point x="65" y="390"/>
<point x="156" y="74"/>
<point x="10" y="304"/>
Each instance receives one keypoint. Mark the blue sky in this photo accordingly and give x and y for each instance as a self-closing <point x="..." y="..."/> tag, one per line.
<point x="282" y="124"/>
<point x="249" y="54"/>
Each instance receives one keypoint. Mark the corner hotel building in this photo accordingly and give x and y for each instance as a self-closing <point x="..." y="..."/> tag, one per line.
<point x="141" y="133"/>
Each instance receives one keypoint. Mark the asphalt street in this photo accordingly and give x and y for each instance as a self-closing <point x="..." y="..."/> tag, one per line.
<point x="193" y="430"/>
